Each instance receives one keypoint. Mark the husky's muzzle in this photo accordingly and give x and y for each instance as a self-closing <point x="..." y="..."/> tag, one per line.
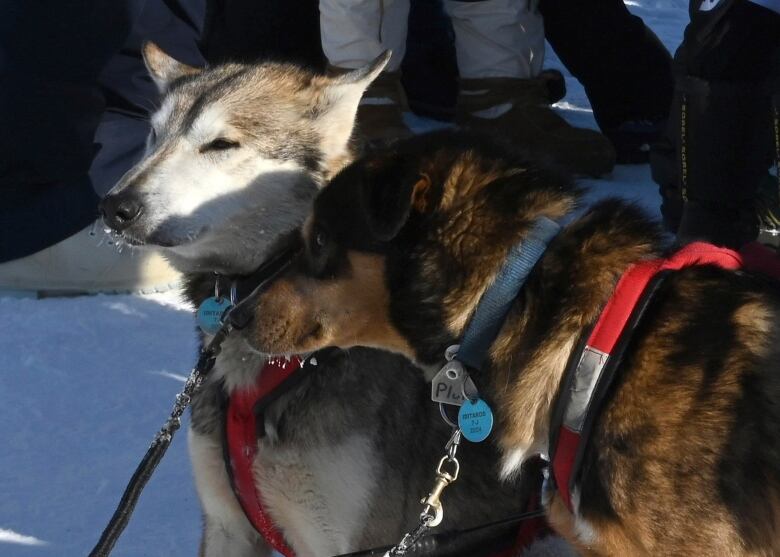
<point x="250" y="287"/>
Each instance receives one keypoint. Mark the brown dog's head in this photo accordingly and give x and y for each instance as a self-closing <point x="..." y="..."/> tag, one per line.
<point x="401" y="245"/>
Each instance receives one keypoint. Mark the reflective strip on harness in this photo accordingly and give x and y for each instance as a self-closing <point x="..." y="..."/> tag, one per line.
<point x="241" y="438"/>
<point x="578" y="400"/>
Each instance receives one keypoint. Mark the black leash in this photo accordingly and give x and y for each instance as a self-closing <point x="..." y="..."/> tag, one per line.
<point x="159" y="446"/>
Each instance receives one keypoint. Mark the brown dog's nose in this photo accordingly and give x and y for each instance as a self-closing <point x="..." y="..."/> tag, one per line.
<point x="120" y="210"/>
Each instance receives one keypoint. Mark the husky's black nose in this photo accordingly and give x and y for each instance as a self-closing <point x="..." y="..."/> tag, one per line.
<point x="120" y="210"/>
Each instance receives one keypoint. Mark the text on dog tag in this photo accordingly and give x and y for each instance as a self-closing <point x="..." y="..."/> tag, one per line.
<point x="210" y="313"/>
<point x="447" y="385"/>
<point x="475" y="420"/>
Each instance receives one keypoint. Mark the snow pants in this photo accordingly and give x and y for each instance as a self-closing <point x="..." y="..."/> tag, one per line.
<point x="493" y="38"/>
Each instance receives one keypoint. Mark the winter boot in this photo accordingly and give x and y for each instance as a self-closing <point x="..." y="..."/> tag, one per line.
<point x="87" y="263"/>
<point x="519" y="110"/>
<point x="719" y="141"/>
<point x="719" y="149"/>
<point x="380" y="114"/>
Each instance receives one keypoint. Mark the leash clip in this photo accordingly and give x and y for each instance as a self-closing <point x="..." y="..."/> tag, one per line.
<point x="444" y="478"/>
<point x="433" y="510"/>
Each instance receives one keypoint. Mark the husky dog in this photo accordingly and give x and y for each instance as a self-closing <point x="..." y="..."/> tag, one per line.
<point x="684" y="457"/>
<point x="236" y="154"/>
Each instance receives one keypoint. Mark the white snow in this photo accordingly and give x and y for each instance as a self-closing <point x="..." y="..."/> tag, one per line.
<point x="9" y="536"/>
<point x="86" y="382"/>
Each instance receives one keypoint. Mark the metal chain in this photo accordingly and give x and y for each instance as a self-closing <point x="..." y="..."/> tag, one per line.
<point x="433" y="511"/>
<point x="160" y="444"/>
<point x="206" y="360"/>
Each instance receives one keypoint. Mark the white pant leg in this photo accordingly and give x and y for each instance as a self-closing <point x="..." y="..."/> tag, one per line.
<point x="498" y="38"/>
<point x="354" y="32"/>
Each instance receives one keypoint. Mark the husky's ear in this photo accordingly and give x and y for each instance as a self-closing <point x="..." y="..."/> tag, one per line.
<point x="163" y="68"/>
<point x="390" y="195"/>
<point x="338" y="104"/>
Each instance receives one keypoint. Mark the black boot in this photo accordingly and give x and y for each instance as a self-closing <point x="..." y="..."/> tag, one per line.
<point x="723" y="149"/>
<point x="715" y="161"/>
<point x="719" y="143"/>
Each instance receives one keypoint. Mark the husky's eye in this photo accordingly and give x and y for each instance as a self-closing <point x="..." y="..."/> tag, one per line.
<point x="219" y="144"/>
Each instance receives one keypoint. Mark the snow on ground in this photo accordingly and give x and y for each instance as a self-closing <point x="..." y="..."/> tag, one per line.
<point x="86" y="382"/>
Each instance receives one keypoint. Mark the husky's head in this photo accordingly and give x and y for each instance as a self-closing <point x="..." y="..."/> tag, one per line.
<point x="235" y="155"/>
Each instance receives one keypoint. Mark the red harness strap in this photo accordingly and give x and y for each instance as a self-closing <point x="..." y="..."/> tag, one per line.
<point x="602" y="341"/>
<point x="241" y="438"/>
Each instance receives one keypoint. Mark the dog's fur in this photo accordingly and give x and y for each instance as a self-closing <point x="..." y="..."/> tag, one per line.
<point x="346" y="454"/>
<point x="685" y="457"/>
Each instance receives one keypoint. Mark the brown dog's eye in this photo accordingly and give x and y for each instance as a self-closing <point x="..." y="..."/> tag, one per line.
<point x="219" y="144"/>
<point x="320" y="252"/>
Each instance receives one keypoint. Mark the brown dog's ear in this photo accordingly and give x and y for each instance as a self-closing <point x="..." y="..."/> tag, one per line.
<point x="390" y="195"/>
<point x="163" y="68"/>
<point x="420" y="193"/>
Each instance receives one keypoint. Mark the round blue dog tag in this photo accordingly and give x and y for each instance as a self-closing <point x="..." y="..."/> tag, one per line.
<point x="475" y="420"/>
<point x="210" y="314"/>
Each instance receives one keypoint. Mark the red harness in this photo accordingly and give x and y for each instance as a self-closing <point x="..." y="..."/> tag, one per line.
<point x="579" y="405"/>
<point x="241" y="439"/>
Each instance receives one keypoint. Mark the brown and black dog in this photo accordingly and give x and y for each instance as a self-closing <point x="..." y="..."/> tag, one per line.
<point x="685" y="456"/>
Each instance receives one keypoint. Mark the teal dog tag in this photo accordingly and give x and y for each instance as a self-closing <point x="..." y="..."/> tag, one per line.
<point x="475" y="420"/>
<point x="210" y="312"/>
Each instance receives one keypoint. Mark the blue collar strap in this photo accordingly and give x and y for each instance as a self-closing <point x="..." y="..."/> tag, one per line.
<point x="452" y="385"/>
<point x="494" y="305"/>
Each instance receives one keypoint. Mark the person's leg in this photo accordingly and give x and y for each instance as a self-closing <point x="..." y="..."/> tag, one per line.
<point x="75" y="120"/>
<point x="354" y="32"/>
<point x="625" y="69"/>
<point x="251" y="30"/>
<point x="500" y="50"/>
<point x="721" y="125"/>
<point x="50" y="106"/>
<point x="429" y="69"/>
<point x="497" y="38"/>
